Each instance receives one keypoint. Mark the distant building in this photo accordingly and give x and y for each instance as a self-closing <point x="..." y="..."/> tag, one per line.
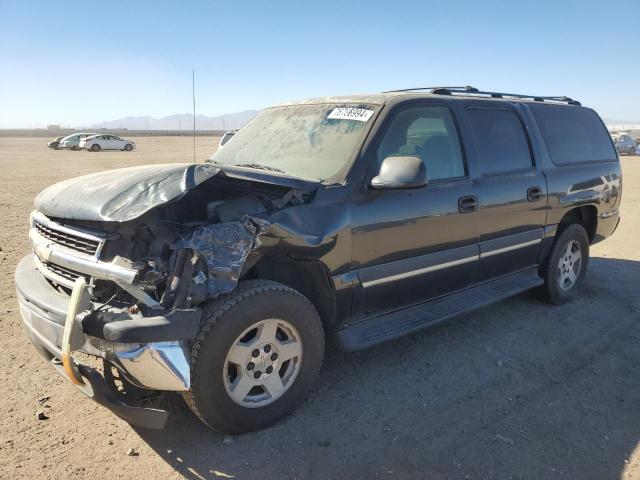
<point x="54" y="127"/>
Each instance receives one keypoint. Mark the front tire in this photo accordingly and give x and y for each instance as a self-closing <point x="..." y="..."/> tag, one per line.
<point x="257" y="356"/>
<point x="128" y="147"/>
<point x="566" y="264"/>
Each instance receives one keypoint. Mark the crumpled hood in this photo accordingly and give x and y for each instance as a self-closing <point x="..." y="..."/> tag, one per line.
<point x="123" y="194"/>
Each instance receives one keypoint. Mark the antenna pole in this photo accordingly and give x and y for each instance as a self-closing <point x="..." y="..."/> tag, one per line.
<point x="193" y="92"/>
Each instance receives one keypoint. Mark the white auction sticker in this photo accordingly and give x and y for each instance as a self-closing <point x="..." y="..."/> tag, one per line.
<point x="348" y="113"/>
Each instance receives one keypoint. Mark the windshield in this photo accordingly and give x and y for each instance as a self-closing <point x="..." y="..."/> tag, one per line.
<point x="309" y="141"/>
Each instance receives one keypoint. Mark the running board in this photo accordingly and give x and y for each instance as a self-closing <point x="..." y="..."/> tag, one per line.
<point x="373" y="330"/>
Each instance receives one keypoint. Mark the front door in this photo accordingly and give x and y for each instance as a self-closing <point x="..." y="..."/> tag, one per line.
<point x="412" y="245"/>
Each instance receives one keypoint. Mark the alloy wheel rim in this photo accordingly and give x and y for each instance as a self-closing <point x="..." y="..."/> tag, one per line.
<point x="569" y="265"/>
<point x="262" y="363"/>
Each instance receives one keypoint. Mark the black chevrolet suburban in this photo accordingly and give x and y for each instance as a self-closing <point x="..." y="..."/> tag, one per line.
<point x="357" y="219"/>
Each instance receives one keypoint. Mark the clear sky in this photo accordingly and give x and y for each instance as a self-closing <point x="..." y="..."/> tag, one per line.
<point x="75" y="63"/>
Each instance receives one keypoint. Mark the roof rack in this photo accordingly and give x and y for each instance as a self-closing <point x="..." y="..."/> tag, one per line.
<point x="469" y="90"/>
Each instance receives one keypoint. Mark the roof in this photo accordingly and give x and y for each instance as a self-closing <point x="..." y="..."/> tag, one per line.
<point x="433" y="92"/>
<point x="369" y="98"/>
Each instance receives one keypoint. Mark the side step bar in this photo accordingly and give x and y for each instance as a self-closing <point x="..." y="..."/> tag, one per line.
<point x="373" y="330"/>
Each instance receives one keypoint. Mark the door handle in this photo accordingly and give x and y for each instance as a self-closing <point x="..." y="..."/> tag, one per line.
<point x="468" y="204"/>
<point x="534" y="194"/>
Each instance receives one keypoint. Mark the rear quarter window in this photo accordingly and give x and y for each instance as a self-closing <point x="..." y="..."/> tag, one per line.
<point x="573" y="134"/>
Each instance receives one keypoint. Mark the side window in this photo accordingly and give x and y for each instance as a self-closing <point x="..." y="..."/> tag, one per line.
<point x="500" y="140"/>
<point x="573" y="134"/>
<point x="428" y="133"/>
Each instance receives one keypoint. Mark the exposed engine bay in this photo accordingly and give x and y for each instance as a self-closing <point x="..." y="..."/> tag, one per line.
<point x="190" y="249"/>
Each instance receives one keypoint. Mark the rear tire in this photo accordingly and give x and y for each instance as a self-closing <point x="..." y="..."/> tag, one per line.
<point x="566" y="264"/>
<point x="95" y="147"/>
<point x="257" y="356"/>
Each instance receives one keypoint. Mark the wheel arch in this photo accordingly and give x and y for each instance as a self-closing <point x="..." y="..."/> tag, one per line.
<point x="585" y="215"/>
<point x="309" y="277"/>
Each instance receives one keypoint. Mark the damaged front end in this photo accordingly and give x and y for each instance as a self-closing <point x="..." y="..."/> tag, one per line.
<point x="123" y="261"/>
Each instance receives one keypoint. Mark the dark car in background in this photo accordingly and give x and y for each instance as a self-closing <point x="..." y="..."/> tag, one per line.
<point x="55" y="143"/>
<point x="358" y="219"/>
<point x="624" y="143"/>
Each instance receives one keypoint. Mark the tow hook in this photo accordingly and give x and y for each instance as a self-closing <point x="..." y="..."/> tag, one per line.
<point x="67" y="360"/>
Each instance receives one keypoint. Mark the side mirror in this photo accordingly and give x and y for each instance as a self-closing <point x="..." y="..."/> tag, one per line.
<point x="400" y="172"/>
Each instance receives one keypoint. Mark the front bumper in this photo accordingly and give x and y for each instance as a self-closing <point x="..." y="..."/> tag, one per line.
<point x="155" y="358"/>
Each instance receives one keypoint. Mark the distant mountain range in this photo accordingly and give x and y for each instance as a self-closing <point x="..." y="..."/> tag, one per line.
<point x="229" y="121"/>
<point x="183" y="121"/>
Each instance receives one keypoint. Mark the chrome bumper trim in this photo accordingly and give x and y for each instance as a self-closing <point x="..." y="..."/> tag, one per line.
<point x="54" y="277"/>
<point x="158" y="366"/>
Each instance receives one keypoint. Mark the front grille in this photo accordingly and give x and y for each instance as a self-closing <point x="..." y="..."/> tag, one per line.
<point x="69" y="240"/>
<point x="64" y="272"/>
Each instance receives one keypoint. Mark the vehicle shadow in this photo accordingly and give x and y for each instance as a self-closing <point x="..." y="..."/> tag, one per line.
<point x="519" y="389"/>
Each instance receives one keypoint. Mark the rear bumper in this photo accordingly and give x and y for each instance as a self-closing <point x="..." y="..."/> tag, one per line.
<point x="608" y="222"/>
<point x="158" y="363"/>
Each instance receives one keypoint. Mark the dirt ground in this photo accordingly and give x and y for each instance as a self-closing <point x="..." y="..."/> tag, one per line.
<point x="516" y="390"/>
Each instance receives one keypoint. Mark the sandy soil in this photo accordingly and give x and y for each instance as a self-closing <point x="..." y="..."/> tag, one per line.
<point x="516" y="390"/>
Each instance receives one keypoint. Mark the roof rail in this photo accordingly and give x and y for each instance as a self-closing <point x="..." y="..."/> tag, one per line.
<point x="469" y="90"/>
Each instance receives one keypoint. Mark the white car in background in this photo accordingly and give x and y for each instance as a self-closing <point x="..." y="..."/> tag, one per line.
<point x="226" y="137"/>
<point x="106" y="141"/>
<point x="72" y="142"/>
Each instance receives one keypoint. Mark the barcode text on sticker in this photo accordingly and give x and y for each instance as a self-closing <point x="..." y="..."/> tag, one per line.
<point x="348" y="113"/>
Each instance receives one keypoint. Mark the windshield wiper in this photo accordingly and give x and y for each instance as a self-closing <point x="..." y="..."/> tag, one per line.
<point x="259" y="167"/>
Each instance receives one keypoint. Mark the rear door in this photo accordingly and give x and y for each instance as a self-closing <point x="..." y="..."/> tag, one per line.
<point x="111" y="142"/>
<point x="511" y="189"/>
<point x="103" y="141"/>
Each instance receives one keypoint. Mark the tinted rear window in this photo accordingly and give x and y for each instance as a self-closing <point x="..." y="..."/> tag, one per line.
<point x="573" y="134"/>
<point x="500" y="141"/>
